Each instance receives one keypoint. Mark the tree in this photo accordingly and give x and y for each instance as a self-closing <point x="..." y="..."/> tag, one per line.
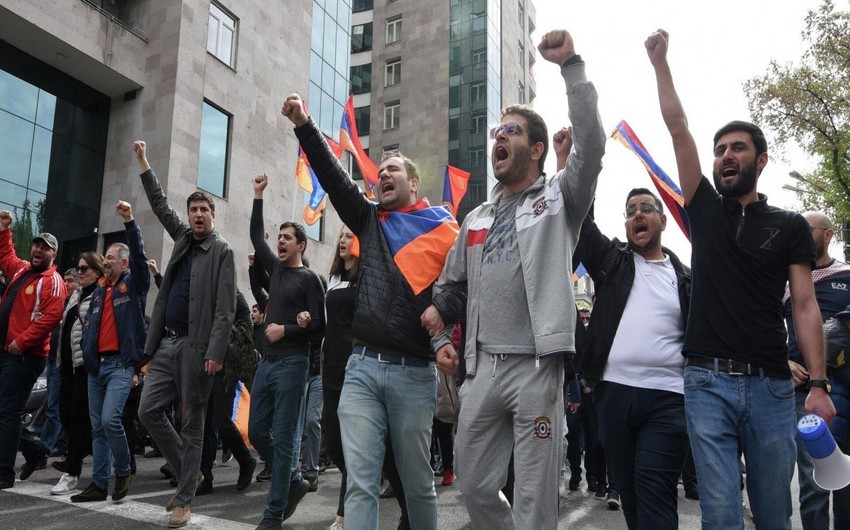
<point x="808" y="105"/>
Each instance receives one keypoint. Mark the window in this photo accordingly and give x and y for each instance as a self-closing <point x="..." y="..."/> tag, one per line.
<point x="363" y="118"/>
<point x="479" y="21"/>
<point x="221" y="35"/>
<point x="361" y="38"/>
<point x="361" y="78"/>
<point x="477" y="158"/>
<point x="521" y="49"/>
<point x="356" y="174"/>
<point x="393" y="29"/>
<point x="521" y="93"/>
<point x="454" y="97"/>
<point x="521" y="15"/>
<point x="391" y="115"/>
<point x="479" y="58"/>
<point x="361" y="5"/>
<point x="392" y="72"/>
<point x="215" y="139"/>
<point x="476" y="91"/>
<point x="389" y="148"/>
<point x="478" y="124"/>
<point x="454" y="128"/>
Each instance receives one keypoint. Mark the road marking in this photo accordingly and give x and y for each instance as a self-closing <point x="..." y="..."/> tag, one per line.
<point x="127" y="508"/>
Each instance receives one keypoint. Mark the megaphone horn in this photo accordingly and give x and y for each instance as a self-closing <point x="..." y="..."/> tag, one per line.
<point x="831" y="466"/>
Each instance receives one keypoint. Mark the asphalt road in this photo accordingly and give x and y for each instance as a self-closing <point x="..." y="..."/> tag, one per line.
<point x="30" y="505"/>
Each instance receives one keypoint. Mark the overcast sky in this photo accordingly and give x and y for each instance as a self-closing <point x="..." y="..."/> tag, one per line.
<point x="715" y="46"/>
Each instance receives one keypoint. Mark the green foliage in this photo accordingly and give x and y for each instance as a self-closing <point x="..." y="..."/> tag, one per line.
<point x="808" y="105"/>
<point x="23" y="228"/>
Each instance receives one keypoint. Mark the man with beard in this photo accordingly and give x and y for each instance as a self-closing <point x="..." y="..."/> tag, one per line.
<point x="738" y="388"/>
<point x="513" y="258"/>
<point x="832" y="290"/>
<point x="634" y="360"/>
<point x="278" y="392"/>
<point x="30" y="310"/>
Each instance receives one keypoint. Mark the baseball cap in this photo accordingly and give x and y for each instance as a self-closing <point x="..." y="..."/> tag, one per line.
<point x="47" y="238"/>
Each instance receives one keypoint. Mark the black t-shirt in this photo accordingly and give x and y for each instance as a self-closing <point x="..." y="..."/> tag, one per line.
<point x="291" y="291"/>
<point x="338" y="336"/>
<point x="740" y="263"/>
<point x="8" y="302"/>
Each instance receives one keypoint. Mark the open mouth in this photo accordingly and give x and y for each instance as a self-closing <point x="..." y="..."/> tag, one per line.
<point x="500" y="153"/>
<point x="640" y="229"/>
<point x="387" y="186"/>
<point x="728" y="171"/>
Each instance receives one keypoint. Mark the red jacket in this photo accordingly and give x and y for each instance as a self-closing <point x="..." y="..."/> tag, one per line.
<point x="44" y="292"/>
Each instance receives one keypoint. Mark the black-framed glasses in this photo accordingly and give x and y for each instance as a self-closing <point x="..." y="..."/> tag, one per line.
<point x="82" y="269"/>
<point x="645" y="208"/>
<point x="508" y="128"/>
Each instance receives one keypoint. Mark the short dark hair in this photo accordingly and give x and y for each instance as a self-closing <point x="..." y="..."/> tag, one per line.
<point x="200" y="196"/>
<point x="257" y="306"/>
<point x="645" y="191"/>
<point x="409" y="165"/>
<point x="537" y="130"/>
<point x="755" y="133"/>
<point x="300" y="233"/>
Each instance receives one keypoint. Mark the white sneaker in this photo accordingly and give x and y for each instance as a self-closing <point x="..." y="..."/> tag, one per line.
<point x="335" y="526"/>
<point x="67" y="484"/>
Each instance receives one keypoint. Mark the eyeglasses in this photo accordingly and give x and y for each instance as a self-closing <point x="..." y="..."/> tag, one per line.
<point x="508" y="128"/>
<point x="82" y="269"/>
<point x="818" y="228"/>
<point x="644" y="207"/>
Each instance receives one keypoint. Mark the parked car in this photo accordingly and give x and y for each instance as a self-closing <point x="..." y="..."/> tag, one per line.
<point x="35" y="411"/>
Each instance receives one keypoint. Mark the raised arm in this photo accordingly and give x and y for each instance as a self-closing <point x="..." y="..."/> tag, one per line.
<point x="262" y="253"/>
<point x="139" y="268"/>
<point x="687" y="159"/>
<point x="169" y="218"/>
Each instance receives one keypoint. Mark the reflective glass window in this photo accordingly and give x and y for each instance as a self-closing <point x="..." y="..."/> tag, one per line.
<point x="212" y="163"/>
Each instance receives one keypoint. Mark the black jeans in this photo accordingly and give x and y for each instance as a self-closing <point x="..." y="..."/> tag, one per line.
<point x="333" y="438"/>
<point x="74" y="412"/>
<point x="219" y="409"/>
<point x="645" y="436"/>
<point x="18" y="374"/>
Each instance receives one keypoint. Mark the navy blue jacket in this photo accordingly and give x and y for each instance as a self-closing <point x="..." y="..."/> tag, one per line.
<point x="129" y="295"/>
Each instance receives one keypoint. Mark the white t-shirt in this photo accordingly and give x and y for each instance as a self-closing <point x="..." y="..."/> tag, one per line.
<point x="647" y="349"/>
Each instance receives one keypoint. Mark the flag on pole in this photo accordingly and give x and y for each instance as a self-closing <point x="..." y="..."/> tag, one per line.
<point x="455" y="185"/>
<point x="308" y="182"/>
<point x="669" y="191"/>
<point x="349" y="140"/>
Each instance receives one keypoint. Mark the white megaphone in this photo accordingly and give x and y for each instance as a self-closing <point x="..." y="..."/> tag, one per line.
<point x="831" y="466"/>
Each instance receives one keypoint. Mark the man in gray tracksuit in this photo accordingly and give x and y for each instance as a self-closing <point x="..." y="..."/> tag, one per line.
<point x="513" y="259"/>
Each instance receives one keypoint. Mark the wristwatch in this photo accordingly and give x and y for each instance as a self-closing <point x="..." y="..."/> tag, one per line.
<point x="820" y="383"/>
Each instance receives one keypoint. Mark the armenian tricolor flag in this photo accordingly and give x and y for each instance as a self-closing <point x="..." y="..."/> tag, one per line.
<point x="308" y="182"/>
<point x="454" y="187"/>
<point x="419" y="238"/>
<point x="349" y="140"/>
<point x="579" y="272"/>
<point x="669" y="191"/>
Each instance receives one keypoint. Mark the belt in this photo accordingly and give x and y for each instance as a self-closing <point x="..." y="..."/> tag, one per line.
<point x="729" y="366"/>
<point x="172" y="334"/>
<point x="392" y="359"/>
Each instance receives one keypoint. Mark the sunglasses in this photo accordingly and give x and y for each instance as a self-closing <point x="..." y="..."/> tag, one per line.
<point x="508" y="128"/>
<point x="644" y="207"/>
<point x="82" y="269"/>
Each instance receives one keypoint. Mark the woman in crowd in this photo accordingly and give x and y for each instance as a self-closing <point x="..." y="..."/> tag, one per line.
<point x="74" y="404"/>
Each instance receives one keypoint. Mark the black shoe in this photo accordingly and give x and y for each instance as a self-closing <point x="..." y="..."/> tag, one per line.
<point x="403" y="523"/>
<point x="90" y="494"/>
<point x="28" y="467"/>
<point x="601" y="492"/>
<point x="204" y="488"/>
<point x="613" y="500"/>
<point x="6" y="483"/>
<point x="246" y="474"/>
<point x="265" y="475"/>
<point x="153" y="453"/>
<point x="388" y="492"/>
<point x="269" y="524"/>
<point x="575" y="480"/>
<point x="314" y="484"/>
<point x="226" y="456"/>
<point x="166" y="470"/>
<point x="295" y="495"/>
<point x="121" y="488"/>
<point x="692" y="493"/>
<point x="60" y="465"/>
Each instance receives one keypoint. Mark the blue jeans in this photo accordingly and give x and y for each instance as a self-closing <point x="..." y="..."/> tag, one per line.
<point x="645" y="437"/>
<point x="277" y="398"/>
<point x="18" y="374"/>
<point x="312" y="435"/>
<point x="377" y="399"/>
<point x="108" y="391"/>
<point x="51" y="432"/>
<point x="755" y="413"/>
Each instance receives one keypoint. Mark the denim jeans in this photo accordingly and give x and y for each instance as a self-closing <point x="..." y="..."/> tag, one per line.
<point x="645" y="437"/>
<point x="311" y="438"/>
<point x="108" y="392"/>
<point x="379" y="398"/>
<point x="18" y="374"/>
<point x="755" y="413"/>
<point x="277" y="398"/>
<point x="52" y="434"/>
